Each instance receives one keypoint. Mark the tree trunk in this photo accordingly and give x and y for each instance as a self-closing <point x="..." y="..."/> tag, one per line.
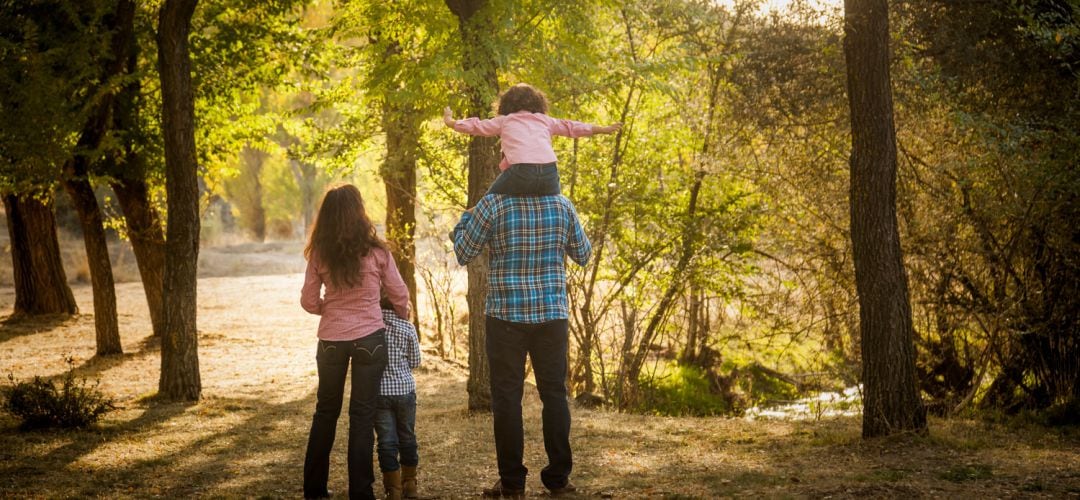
<point x="82" y="195"/>
<point x="147" y="241"/>
<point x="891" y="401"/>
<point x="76" y="182"/>
<point x="40" y="284"/>
<point x="179" y="344"/>
<point x="695" y="327"/>
<point x="127" y="167"/>
<point x="482" y="88"/>
<point x="401" y="123"/>
<point x="246" y="191"/>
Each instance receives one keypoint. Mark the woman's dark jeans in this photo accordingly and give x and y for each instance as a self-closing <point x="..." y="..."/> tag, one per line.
<point x="528" y="179"/>
<point x="545" y="343"/>
<point x="368" y="356"/>
<point x="395" y="424"/>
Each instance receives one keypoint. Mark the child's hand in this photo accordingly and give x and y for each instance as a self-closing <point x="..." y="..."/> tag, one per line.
<point x="448" y="116"/>
<point x="608" y="129"/>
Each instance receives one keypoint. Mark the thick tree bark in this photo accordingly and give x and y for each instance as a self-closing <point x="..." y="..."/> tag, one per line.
<point x="483" y="168"/>
<point x="179" y="344"/>
<point x="401" y="123"/>
<point x="891" y="401"/>
<point x="40" y="284"/>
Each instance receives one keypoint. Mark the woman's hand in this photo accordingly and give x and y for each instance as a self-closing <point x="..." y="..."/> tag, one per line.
<point x="448" y="116"/>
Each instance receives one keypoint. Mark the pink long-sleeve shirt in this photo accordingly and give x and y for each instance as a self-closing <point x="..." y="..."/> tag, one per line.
<point x="526" y="137"/>
<point x="352" y="313"/>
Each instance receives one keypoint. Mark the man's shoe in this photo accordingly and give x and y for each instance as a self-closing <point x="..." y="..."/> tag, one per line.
<point x="328" y="494"/>
<point x="498" y="491"/>
<point x="568" y="489"/>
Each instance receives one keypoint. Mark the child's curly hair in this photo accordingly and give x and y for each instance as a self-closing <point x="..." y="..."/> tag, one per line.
<point x="523" y="97"/>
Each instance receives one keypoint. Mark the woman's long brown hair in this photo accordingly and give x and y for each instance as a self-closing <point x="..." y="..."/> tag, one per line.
<point x="343" y="234"/>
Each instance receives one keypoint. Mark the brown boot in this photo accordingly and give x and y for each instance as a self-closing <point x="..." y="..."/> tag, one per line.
<point x="408" y="481"/>
<point x="392" y="482"/>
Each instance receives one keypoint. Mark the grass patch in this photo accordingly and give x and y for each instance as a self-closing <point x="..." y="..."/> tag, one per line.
<point x="888" y="475"/>
<point x="680" y="390"/>
<point x="967" y="472"/>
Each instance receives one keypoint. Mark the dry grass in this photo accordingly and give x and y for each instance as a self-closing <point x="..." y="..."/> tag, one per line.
<point x="246" y="437"/>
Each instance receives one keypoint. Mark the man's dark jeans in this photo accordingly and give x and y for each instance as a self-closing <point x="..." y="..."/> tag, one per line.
<point x="546" y="344"/>
<point x="368" y="356"/>
<point x="395" y="424"/>
<point x="528" y="179"/>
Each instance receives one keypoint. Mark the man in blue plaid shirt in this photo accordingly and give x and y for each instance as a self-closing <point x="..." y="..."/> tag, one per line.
<point x="528" y="239"/>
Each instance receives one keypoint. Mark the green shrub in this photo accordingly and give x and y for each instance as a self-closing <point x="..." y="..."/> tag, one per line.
<point x="42" y="403"/>
<point x="682" y="390"/>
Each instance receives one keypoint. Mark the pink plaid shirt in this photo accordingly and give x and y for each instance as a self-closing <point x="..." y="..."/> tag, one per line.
<point x="352" y="313"/>
<point x="526" y="137"/>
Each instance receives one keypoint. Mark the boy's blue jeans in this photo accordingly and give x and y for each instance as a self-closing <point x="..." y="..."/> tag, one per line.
<point x="395" y="424"/>
<point x="528" y="179"/>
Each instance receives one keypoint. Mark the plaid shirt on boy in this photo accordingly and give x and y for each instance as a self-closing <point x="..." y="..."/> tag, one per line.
<point x="403" y="349"/>
<point x="528" y="238"/>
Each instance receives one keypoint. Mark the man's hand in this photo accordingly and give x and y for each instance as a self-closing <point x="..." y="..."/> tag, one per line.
<point x="448" y="117"/>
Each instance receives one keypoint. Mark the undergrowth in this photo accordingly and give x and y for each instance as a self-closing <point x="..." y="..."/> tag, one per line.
<point x="44" y="403"/>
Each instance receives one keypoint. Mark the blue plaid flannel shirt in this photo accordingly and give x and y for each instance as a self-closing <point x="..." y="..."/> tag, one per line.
<point x="403" y="350"/>
<point x="528" y="238"/>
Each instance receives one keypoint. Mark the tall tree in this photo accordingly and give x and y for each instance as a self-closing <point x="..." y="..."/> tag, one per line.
<point x="403" y="66"/>
<point x="891" y="401"/>
<point x="127" y="166"/>
<point x="77" y="185"/>
<point x="180" y="378"/>
<point x="77" y="170"/>
<point x="401" y="123"/>
<point x="480" y="67"/>
<point x="40" y="284"/>
<point x="246" y="191"/>
<point x="49" y="63"/>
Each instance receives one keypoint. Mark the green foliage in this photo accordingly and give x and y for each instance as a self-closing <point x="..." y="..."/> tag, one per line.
<point x="682" y="390"/>
<point x="49" y="79"/>
<point x="42" y="403"/>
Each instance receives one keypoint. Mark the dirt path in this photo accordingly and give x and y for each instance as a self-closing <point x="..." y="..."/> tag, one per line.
<point x="246" y="438"/>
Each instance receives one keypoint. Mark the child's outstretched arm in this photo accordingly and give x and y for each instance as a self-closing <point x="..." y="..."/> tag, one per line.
<point x="472" y="126"/>
<point x="448" y="117"/>
<point x="607" y="129"/>
<point x="571" y="128"/>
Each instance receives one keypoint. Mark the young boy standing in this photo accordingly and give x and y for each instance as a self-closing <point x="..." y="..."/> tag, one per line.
<point x="395" y="413"/>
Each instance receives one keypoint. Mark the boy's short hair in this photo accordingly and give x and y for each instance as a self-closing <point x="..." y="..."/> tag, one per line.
<point x="523" y="97"/>
<point x="384" y="302"/>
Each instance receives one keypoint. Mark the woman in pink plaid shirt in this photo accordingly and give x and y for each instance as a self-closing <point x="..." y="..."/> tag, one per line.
<point x="347" y="267"/>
